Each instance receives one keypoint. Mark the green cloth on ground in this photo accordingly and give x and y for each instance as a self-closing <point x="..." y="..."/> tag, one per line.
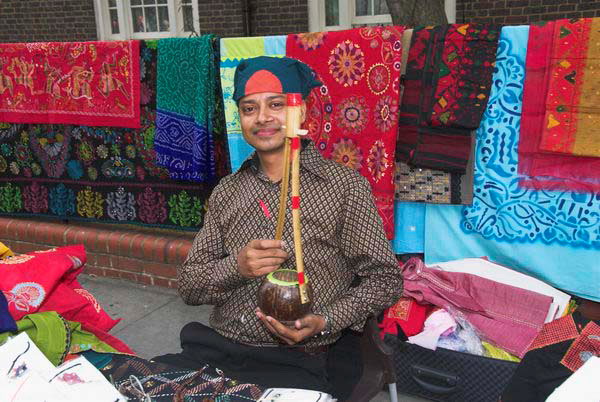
<point x="57" y="337"/>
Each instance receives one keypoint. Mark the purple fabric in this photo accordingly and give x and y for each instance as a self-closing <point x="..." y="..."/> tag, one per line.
<point x="7" y="323"/>
<point x="507" y="316"/>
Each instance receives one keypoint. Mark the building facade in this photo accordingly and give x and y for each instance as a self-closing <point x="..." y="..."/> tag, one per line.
<point x="83" y="20"/>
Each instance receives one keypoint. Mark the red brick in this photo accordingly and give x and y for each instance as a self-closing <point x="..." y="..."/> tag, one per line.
<point x="20" y="230"/>
<point x="30" y="231"/>
<point x="56" y="235"/>
<point x="136" y="250"/>
<point x="41" y="232"/>
<point x="70" y="234"/>
<point x="165" y="283"/>
<point x="158" y="269"/>
<point x="173" y="251"/>
<point x="113" y="242"/>
<point x="183" y="251"/>
<point x="146" y="279"/>
<point x="159" y="253"/>
<point x="91" y="270"/>
<point x="130" y="276"/>
<point x="103" y="260"/>
<point x="129" y="264"/>
<point x="102" y="241"/>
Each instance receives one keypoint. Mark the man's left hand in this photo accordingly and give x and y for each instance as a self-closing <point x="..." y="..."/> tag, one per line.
<point x="305" y="327"/>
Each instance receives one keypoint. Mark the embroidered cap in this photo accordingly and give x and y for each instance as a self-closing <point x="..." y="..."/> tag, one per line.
<point x="273" y="74"/>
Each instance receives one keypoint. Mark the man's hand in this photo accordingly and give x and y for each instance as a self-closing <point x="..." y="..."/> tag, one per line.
<point x="260" y="257"/>
<point x="304" y="328"/>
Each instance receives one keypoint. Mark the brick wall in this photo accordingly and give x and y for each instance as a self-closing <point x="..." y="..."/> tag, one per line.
<point x="47" y="20"/>
<point x="515" y="12"/>
<point x="268" y="17"/>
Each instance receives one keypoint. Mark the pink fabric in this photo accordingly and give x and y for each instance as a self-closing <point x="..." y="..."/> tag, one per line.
<point x="507" y="316"/>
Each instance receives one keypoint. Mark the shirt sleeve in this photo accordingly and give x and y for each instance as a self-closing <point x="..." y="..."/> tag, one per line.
<point x="209" y="274"/>
<point x="370" y="257"/>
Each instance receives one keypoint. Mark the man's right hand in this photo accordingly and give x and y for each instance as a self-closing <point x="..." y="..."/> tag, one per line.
<point x="260" y="257"/>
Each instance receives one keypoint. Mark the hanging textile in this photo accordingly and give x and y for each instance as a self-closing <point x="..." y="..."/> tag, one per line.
<point x="90" y="83"/>
<point x="219" y="129"/>
<point x="545" y="170"/>
<point x="234" y="50"/>
<point x="572" y="118"/>
<point x="353" y="116"/>
<point x="185" y="104"/>
<point x="540" y="233"/>
<point x="409" y="228"/>
<point x="446" y="89"/>
<point x="97" y="173"/>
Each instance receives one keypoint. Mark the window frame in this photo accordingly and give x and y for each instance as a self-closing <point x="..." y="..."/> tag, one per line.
<point x="347" y="9"/>
<point x="175" y="8"/>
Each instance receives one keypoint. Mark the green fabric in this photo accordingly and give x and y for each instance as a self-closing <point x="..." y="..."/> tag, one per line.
<point x="48" y="331"/>
<point x="294" y="76"/>
<point x="56" y="337"/>
<point x="497" y="353"/>
<point x="243" y="48"/>
<point x="186" y="76"/>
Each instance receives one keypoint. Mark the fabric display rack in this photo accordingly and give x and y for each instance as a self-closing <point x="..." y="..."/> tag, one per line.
<point x="480" y="143"/>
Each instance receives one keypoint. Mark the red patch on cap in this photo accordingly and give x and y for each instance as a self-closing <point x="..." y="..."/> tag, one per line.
<point x="263" y="81"/>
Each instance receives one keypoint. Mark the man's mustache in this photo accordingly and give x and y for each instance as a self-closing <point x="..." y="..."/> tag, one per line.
<point x="257" y="129"/>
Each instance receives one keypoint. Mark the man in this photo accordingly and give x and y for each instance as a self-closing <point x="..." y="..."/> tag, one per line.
<point x="342" y="238"/>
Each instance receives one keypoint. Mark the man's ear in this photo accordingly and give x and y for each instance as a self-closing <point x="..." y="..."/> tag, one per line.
<point x="302" y="112"/>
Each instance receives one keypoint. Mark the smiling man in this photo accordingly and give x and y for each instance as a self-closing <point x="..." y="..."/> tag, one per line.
<point x="343" y="241"/>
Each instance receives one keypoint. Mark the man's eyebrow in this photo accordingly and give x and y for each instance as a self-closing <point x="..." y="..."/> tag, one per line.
<point x="275" y="97"/>
<point x="248" y="102"/>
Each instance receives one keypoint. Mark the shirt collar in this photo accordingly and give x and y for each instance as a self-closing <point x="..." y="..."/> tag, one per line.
<point x="310" y="159"/>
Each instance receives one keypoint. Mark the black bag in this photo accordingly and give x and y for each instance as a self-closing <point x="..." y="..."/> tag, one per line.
<point x="446" y="375"/>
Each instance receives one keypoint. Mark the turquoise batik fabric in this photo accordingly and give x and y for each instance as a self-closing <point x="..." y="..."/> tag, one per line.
<point x="409" y="227"/>
<point x="234" y="50"/>
<point x="185" y="103"/>
<point x="552" y="235"/>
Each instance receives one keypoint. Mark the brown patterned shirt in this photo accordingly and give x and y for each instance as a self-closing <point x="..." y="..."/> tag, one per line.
<point x="342" y="237"/>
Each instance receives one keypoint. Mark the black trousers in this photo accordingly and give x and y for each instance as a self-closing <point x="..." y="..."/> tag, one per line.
<point x="336" y="371"/>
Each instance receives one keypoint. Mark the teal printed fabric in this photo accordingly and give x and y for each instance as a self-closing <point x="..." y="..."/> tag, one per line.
<point x="234" y="50"/>
<point x="553" y="235"/>
<point x="185" y="103"/>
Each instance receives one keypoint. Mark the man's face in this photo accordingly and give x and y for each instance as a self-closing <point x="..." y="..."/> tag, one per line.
<point x="262" y="117"/>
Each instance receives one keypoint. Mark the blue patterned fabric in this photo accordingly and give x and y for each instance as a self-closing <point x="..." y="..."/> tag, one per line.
<point x="185" y="103"/>
<point x="409" y="227"/>
<point x="184" y="147"/>
<point x="552" y="235"/>
<point x="7" y="323"/>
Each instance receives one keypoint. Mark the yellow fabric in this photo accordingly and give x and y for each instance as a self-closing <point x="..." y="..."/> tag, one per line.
<point x="5" y="251"/>
<point x="497" y="353"/>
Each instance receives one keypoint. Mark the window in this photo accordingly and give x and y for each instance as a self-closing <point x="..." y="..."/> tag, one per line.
<point x="330" y="15"/>
<point x="146" y="19"/>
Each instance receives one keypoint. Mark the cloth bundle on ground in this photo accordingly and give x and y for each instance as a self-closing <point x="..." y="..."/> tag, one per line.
<point x="89" y="83"/>
<point x="28" y="376"/>
<point x="507" y="316"/>
<point x="353" y="117"/>
<point x="446" y="90"/>
<point x="61" y="340"/>
<point x="560" y="349"/>
<point x="140" y="379"/>
<point x="188" y="100"/>
<point x="47" y="281"/>
<point x="559" y="145"/>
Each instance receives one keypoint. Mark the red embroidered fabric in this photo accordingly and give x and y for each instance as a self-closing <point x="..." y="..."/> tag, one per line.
<point x="406" y="313"/>
<point x="353" y="116"/>
<point x="83" y="83"/>
<point x="587" y="345"/>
